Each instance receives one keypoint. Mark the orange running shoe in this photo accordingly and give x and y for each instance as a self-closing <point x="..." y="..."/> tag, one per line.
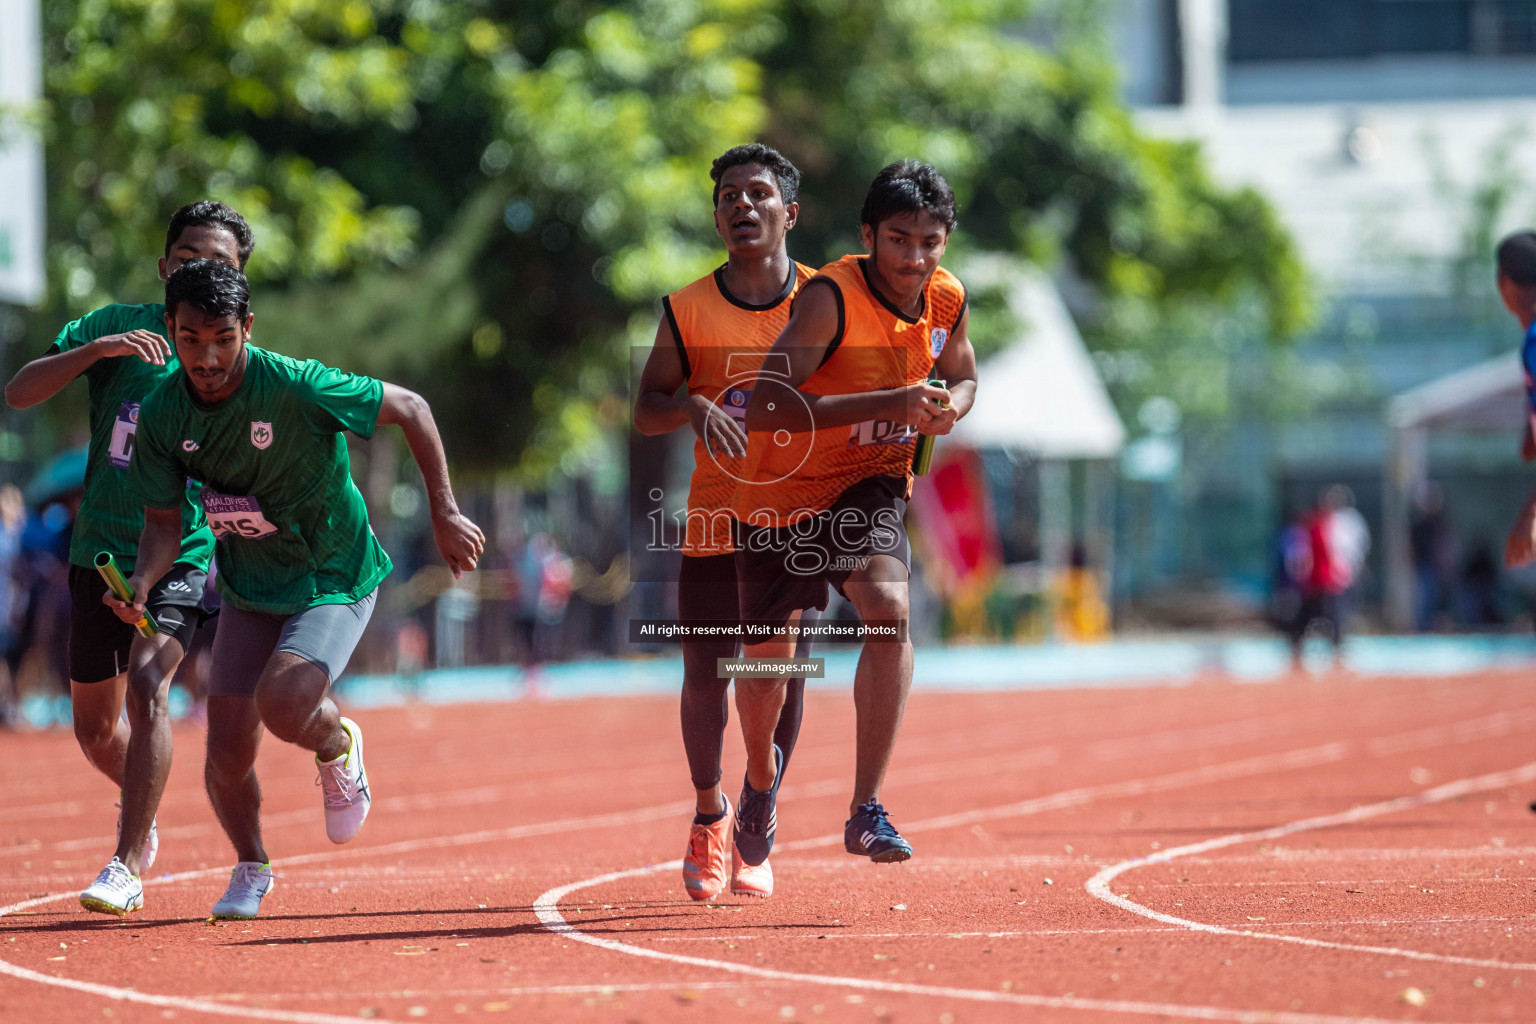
<point x="750" y="879"/>
<point x="704" y="863"/>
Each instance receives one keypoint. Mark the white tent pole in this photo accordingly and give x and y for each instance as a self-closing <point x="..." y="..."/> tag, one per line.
<point x="1099" y="517"/>
<point x="1055" y="524"/>
<point x="1407" y="470"/>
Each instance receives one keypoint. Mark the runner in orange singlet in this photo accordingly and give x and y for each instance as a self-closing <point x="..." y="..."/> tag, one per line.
<point x="830" y="448"/>
<point x="713" y="336"/>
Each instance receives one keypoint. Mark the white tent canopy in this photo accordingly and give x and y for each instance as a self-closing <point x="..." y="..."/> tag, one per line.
<point x="1041" y="393"/>
<point x="1487" y="397"/>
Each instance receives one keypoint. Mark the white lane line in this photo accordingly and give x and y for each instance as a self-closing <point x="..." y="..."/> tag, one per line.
<point x="176" y="1002"/>
<point x="405" y="846"/>
<point x="547" y="909"/>
<point x="1099" y="886"/>
<point x="1525" y="921"/>
<point x="1307" y="757"/>
<point x="1500" y="723"/>
<point x="940" y="771"/>
<point x="481" y="993"/>
<point x="1301" y="758"/>
<point x="121" y="994"/>
<point x="61" y="809"/>
<point x="1489" y="726"/>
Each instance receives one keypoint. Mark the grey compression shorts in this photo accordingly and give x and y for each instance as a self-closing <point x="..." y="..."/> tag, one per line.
<point x="324" y="635"/>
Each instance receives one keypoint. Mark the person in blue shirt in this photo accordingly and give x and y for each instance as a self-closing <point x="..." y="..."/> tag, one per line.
<point x="1517" y="287"/>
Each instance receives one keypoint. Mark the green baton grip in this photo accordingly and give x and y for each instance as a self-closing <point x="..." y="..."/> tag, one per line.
<point x="922" y="458"/>
<point x="107" y="566"/>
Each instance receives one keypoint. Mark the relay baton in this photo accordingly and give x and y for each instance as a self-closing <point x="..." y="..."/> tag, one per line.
<point x="105" y="565"/>
<point x="922" y="458"/>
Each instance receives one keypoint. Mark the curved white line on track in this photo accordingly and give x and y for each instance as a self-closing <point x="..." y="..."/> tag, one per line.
<point x="546" y="907"/>
<point x="1305" y="757"/>
<point x="548" y="911"/>
<point x="130" y="995"/>
<point x="403" y="846"/>
<point x="1099" y="886"/>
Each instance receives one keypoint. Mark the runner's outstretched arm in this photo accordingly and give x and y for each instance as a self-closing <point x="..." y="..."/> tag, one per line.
<point x="663" y="407"/>
<point x="458" y="540"/>
<point x="46" y="376"/>
<point x="804" y="341"/>
<point x="159" y="546"/>
<point x="956" y="366"/>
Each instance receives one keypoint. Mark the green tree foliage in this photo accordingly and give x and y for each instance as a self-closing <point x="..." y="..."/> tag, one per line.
<point x="485" y="199"/>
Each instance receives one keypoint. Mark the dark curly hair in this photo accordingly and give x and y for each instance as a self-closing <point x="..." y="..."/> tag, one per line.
<point x="1517" y="258"/>
<point x="208" y="213"/>
<point x="908" y="186"/>
<point x="215" y="288"/>
<point x="784" y="172"/>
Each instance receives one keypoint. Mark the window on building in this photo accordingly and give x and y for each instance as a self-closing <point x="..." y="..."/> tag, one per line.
<point x="1280" y="30"/>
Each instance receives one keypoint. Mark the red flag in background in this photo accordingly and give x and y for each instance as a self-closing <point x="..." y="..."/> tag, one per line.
<point x="956" y="526"/>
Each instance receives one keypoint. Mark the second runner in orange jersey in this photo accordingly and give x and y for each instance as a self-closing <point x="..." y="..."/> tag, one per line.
<point x="709" y="349"/>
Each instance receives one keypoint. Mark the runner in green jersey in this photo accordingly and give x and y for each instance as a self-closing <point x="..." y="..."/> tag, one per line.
<point x="119" y="351"/>
<point x="298" y="562"/>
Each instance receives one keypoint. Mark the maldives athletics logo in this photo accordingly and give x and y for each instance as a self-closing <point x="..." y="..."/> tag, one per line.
<point x="936" y="339"/>
<point x="261" y="434"/>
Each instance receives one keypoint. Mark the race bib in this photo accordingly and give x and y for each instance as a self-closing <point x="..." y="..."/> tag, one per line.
<point x="734" y="402"/>
<point x="879" y="432"/>
<point x="232" y="515"/>
<point x="126" y="427"/>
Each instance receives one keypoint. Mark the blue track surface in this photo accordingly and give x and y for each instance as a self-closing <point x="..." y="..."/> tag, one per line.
<point x="1013" y="667"/>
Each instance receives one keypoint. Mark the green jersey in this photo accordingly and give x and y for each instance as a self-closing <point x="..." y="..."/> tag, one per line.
<point x="112" y="511"/>
<point x="291" y="525"/>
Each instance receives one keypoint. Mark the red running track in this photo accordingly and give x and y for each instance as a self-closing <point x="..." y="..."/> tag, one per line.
<point x="1306" y="852"/>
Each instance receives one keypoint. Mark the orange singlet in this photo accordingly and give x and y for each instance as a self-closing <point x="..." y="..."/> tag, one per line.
<point x="722" y="341"/>
<point x="789" y="477"/>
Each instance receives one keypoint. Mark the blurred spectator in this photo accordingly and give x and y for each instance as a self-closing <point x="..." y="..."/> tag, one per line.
<point x="1291" y="567"/>
<point x="556" y="580"/>
<point x="42" y="586"/>
<point x="1429" y="541"/>
<point x="412" y="646"/>
<point x="13" y="518"/>
<point x="545" y="577"/>
<point x="1481" y="587"/>
<point x="1081" y="613"/>
<point x="1349" y="537"/>
<point x="1327" y="581"/>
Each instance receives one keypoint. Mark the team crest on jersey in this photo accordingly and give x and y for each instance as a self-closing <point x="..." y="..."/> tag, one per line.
<point x="261" y="434"/>
<point x="936" y="339"/>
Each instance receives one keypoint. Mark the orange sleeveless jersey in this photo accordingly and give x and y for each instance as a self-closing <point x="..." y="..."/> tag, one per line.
<point x="722" y="341"/>
<point x="794" y="476"/>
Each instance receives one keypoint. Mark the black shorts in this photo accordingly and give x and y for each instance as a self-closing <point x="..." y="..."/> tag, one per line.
<point x="784" y="569"/>
<point x="706" y="592"/>
<point x="706" y="588"/>
<point x="1323" y="609"/>
<point x="99" y="640"/>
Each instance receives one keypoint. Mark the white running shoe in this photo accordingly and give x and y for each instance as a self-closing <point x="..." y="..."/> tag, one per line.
<point x="344" y="783"/>
<point x="151" y="841"/>
<point x="248" y="883"/>
<point x="115" y="891"/>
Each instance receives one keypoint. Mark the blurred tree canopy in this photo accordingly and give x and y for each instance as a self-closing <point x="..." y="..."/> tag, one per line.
<point x="484" y="199"/>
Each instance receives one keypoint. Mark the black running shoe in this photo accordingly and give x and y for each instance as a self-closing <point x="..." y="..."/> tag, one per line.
<point x="757" y="817"/>
<point x="869" y="833"/>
